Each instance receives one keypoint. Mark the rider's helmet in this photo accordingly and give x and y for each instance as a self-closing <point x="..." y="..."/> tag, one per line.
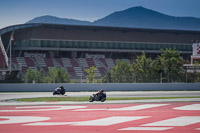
<point x="101" y="90"/>
<point x="61" y="87"/>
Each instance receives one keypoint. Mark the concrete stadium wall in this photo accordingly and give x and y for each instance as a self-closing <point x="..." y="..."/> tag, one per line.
<point x="106" y="86"/>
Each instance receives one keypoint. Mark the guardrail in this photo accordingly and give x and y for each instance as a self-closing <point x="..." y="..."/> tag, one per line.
<point x="106" y="86"/>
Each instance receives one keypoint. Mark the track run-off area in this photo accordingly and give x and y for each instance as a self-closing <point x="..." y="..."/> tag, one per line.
<point x="169" y="117"/>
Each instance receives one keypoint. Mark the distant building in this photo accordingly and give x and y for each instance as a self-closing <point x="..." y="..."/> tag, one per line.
<point x="196" y="52"/>
<point x="195" y="57"/>
<point x="43" y="46"/>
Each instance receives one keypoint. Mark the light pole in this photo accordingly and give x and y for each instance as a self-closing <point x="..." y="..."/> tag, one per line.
<point x="10" y="44"/>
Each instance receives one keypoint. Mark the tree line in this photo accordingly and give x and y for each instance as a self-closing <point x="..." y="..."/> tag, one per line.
<point x="55" y="75"/>
<point x="167" y="67"/>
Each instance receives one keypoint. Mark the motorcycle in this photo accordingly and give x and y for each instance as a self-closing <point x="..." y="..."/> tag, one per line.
<point x="98" y="97"/>
<point x="59" y="91"/>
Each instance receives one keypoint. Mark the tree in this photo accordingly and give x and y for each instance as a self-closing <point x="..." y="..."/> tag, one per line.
<point x="62" y="76"/>
<point x="120" y="73"/>
<point x="40" y="76"/>
<point x="58" y="75"/>
<point x="142" y="68"/>
<point x="33" y="76"/>
<point x="52" y="75"/>
<point x="170" y="63"/>
<point x="91" y="74"/>
<point x="26" y="76"/>
<point x="158" y="70"/>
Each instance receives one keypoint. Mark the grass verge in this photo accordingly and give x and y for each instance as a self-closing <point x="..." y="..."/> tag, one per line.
<point x="81" y="99"/>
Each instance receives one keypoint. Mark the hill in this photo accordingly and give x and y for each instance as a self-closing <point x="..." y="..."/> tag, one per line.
<point x="135" y="17"/>
<point x="56" y="20"/>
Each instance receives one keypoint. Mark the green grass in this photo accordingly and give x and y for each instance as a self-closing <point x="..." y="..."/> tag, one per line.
<point x="81" y="99"/>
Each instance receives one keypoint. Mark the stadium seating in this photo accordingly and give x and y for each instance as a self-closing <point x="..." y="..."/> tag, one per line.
<point x="102" y="70"/>
<point x="45" y="69"/>
<point x="83" y="62"/>
<point x="71" y="71"/>
<point x="78" y="71"/>
<point x="21" y="61"/>
<point x="66" y="62"/>
<point x="110" y="62"/>
<point x="49" y="62"/>
<point x="29" y="62"/>
<point x="75" y="67"/>
<point x="74" y="63"/>
<point x="41" y="62"/>
<point x="57" y="62"/>
<point x="103" y="61"/>
<point x="97" y="62"/>
<point x="24" y="69"/>
<point x="90" y="62"/>
<point x="98" y="74"/>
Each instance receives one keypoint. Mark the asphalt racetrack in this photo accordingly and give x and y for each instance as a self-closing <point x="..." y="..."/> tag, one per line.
<point x="138" y="117"/>
<point x="14" y="95"/>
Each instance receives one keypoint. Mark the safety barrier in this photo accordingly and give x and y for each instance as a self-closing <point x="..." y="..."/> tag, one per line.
<point x="96" y="86"/>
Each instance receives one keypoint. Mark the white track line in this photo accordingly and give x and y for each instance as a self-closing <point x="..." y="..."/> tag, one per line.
<point x="48" y="123"/>
<point x="21" y="119"/>
<point x="110" y="120"/>
<point x="49" y="108"/>
<point x="98" y="122"/>
<point x="147" y="128"/>
<point x="178" y="121"/>
<point x="189" y="107"/>
<point x="137" y="107"/>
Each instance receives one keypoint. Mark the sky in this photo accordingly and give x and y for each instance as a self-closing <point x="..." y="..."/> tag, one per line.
<point x="14" y="12"/>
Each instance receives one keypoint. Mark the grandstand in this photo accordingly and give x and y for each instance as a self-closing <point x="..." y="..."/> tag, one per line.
<point x="73" y="47"/>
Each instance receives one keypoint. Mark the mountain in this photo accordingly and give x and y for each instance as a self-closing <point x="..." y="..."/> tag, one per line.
<point x="56" y="20"/>
<point x="140" y="17"/>
<point x="135" y="17"/>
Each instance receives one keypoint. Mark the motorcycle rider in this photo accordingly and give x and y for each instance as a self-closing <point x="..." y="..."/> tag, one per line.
<point x="60" y="89"/>
<point x="99" y="96"/>
<point x="100" y="92"/>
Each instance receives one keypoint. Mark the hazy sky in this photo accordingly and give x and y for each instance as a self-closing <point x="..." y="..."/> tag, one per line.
<point x="20" y="11"/>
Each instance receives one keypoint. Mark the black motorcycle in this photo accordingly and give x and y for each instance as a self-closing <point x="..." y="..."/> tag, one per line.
<point x="98" y="97"/>
<point x="59" y="91"/>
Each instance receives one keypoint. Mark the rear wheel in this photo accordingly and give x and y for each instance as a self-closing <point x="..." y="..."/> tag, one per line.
<point x="103" y="99"/>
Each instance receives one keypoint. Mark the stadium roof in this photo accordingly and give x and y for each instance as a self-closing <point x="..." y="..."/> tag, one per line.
<point x="123" y="29"/>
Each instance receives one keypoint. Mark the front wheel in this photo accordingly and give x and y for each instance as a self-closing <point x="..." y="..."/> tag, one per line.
<point x="91" y="99"/>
